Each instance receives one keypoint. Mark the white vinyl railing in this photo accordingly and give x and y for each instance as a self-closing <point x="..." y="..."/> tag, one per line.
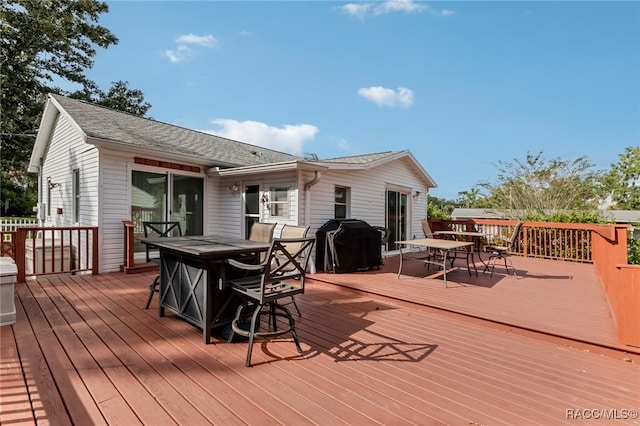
<point x="11" y="223"/>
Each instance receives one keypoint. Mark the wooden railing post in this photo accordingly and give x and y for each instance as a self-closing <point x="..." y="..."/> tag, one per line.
<point x="21" y="254"/>
<point x="95" y="259"/>
<point x="128" y="244"/>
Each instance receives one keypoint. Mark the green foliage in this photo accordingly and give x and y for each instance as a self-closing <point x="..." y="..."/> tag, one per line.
<point x="633" y="248"/>
<point x="539" y="186"/>
<point x="18" y="197"/>
<point x="439" y="207"/>
<point x="44" y="41"/>
<point x="566" y="217"/>
<point x="118" y="97"/>
<point x="622" y="182"/>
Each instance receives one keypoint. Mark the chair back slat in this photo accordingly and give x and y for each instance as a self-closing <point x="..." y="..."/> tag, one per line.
<point x="159" y="230"/>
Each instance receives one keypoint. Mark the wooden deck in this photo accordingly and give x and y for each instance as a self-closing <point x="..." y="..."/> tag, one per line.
<point x="83" y="351"/>
<point x="556" y="298"/>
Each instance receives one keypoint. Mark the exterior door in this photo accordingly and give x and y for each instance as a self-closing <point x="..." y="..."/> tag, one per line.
<point x="251" y="207"/>
<point x="186" y="204"/>
<point x="396" y="219"/>
<point x="150" y="201"/>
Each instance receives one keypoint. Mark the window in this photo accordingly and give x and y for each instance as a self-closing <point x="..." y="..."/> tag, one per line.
<point x="76" y="195"/>
<point x="341" y="202"/>
<point x="279" y="203"/>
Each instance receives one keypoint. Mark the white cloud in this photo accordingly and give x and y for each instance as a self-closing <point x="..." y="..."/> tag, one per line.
<point x="288" y="138"/>
<point x="360" y="10"/>
<point x="382" y="96"/>
<point x="406" y="6"/>
<point x="204" y="41"/>
<point x="183" y="52"/>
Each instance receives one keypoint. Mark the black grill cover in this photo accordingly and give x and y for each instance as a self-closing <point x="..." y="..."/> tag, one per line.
<point x="357" y="245"/>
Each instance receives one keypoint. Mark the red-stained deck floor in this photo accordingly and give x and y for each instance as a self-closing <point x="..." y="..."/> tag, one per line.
<point x="84" y="351"/>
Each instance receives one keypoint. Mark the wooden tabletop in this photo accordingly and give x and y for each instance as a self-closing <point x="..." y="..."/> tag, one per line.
<point x="436" y="243"/>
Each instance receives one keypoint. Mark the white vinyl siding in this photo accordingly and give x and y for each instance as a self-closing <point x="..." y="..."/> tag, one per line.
<point x="367" y="194"/>
<point x="114" y="206"/>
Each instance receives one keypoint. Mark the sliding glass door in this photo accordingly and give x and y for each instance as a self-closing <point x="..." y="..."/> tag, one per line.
<point x="396" y="219"/>
<point x="150" y="201"/>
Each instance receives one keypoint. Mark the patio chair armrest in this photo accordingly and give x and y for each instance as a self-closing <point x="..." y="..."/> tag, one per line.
<point x="245" y="266"/>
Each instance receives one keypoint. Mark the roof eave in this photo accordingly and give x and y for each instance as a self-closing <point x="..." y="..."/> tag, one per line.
<point x="267" y="168"/>
<point x="49" y="116"/>
<point x="145" y="152"/>
<point x="396" y="156"/>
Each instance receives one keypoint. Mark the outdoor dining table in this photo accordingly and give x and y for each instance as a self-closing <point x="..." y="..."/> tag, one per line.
<point x="443" y="247"/>
<point x="475" y="236"/>
<point x="193" y="276"/>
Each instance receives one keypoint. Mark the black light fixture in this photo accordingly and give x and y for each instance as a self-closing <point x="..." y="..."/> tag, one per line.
<point x="52" y="185"/>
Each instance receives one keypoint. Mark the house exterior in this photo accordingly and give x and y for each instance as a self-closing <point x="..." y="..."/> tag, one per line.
<point x="99" y="167"/>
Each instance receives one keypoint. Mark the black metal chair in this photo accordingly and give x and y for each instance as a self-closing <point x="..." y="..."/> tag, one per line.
<point x="503" y="251"/>
<point x="290" y="231"/>
<point x="270" y="282"/>
<point x="161" y="230"/>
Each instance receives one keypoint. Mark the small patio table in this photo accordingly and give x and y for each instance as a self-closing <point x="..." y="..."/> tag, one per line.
<point x="443" y="246"/>
<point x="475" y="236"/>
<point x="192" y="276"/>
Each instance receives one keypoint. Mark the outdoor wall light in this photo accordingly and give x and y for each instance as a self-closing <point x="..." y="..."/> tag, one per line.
<point x="234" y="188"/>
<point x="416" y="195"/>
<point x="52" y="185"/>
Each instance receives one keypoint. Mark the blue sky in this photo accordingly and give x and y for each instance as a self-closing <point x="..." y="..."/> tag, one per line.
<point x="461" y="85"/>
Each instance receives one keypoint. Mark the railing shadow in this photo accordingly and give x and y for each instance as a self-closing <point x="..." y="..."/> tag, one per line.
<point x="348" y="335"/>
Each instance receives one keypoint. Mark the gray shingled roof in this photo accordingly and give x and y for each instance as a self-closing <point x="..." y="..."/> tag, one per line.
<point x="111" y="125"/>
<point x="361" y="159"/>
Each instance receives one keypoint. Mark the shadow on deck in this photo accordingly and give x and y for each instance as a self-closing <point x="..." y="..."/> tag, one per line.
<point x="554" y="298"/>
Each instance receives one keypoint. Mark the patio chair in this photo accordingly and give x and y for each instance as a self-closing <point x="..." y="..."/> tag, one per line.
<point x="161" y="230"/>
<point x="384" y="239"/>
<point x="428" y="253"/>
<point x="269" y="283"/>
<point x="263" y="232"/>
<point x="288" y="232"/>
<point x="503" y="251"/>
<point x="426" y="229"/>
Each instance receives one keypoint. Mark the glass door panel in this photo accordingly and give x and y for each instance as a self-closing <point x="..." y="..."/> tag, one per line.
<point x="148" y="201"/>
<point x="396" y="217"/>
<point x="251" y="207"/>
<point x="186" y="203"/>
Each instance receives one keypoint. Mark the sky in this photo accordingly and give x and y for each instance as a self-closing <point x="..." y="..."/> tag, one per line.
<point x="462" y="85"/>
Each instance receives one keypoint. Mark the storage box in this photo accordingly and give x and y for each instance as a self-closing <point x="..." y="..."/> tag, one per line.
<point x="44" y="257"/>
<point x="8" y="274"/>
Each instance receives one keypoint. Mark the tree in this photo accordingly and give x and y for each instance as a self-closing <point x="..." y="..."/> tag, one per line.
<point x="118" y="97"/>
<point x="537" y="186"/>
<point x="439" y="207"/>
<point x="622" y="182"/>
<point x="469" y="199"/>
<point x="41" y="42"/>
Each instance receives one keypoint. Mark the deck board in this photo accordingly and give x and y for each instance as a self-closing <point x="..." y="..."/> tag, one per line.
<point x="92" y="354"/>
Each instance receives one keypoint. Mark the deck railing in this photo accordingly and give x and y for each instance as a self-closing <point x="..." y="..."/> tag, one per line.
<point x="603" y="245"/>
<point x="42" y="250"/>
<point x="546" y="240"/>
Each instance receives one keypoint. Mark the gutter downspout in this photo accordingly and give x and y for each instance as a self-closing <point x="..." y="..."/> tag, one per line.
<point x="307" y="208"/>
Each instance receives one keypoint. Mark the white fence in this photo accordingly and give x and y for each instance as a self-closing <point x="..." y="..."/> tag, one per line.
<point x="11" y="223"/>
